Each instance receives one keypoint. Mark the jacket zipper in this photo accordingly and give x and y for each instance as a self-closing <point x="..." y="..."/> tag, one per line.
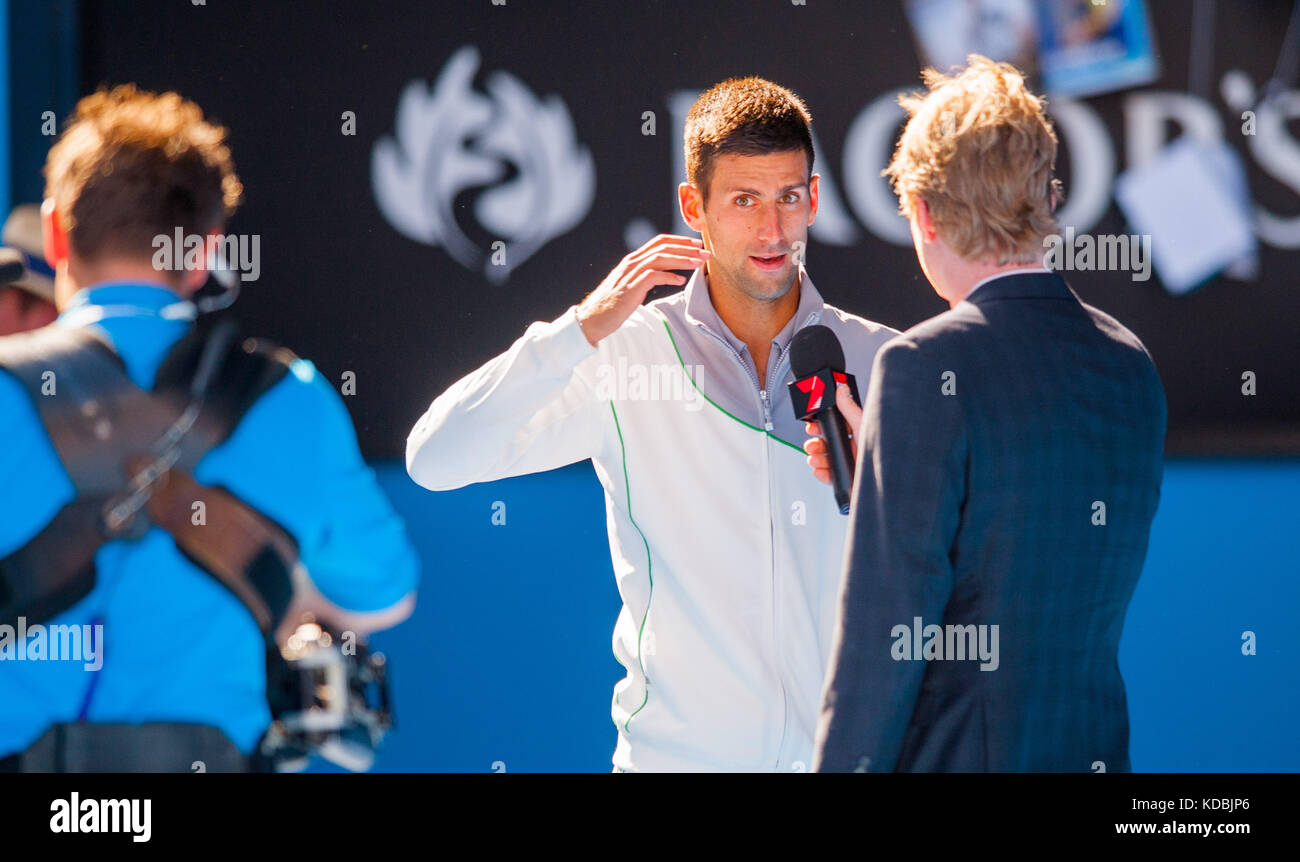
<point x="771" y="542"/>
<point x="771" y="526"/>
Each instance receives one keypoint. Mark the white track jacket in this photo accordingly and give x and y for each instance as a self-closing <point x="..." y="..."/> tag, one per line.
<point x="727" y="551"/>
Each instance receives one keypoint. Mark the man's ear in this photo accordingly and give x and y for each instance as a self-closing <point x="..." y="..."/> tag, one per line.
<point x="928" y="230"/>
<point x="54" y="240"/>
<point x="692" y="205"/>
<point x="812" y="198"/>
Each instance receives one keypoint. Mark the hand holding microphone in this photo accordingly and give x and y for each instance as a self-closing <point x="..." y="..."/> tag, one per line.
<point x="815" y="446"/>
<point x="823" y="394"/>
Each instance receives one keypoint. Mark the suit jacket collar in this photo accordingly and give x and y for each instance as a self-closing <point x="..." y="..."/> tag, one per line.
<point x="1021" y="285"/>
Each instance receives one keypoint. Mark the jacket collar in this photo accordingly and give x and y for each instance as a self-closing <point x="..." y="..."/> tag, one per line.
<point x="700" y="311"/>
<point x="142" y="297"/>
<point x="1021" y="285"/>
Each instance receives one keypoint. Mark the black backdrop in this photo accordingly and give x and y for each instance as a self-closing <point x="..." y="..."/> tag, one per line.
<point x="341" y="286"/>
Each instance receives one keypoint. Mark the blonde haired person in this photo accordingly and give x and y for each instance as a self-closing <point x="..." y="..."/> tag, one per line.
<point x="985" y="588"/>
<point x="975" y="161"/>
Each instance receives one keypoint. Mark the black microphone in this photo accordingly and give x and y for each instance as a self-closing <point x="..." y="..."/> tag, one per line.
<point x="817" y="361"/>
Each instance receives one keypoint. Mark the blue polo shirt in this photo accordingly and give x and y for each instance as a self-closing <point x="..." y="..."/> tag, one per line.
<point x="177" y="646"/>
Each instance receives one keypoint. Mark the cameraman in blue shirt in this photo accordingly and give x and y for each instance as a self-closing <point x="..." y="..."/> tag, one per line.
<point x="204" y="549"/>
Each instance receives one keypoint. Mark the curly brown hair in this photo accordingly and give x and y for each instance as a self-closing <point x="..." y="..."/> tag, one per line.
<point x="132" y="165"/>
<point x="743" y="116"/>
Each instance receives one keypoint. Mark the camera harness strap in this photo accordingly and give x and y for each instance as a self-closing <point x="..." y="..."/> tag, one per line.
<point x="130" y="454"/>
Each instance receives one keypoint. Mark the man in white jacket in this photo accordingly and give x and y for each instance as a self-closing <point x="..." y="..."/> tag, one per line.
<point x="726" y="548"/>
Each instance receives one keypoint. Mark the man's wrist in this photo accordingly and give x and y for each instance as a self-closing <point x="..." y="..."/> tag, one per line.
<point x="584" y="324"/>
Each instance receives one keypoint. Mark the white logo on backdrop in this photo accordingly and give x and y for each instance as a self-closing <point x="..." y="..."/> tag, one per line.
<point x="537" y="181"/>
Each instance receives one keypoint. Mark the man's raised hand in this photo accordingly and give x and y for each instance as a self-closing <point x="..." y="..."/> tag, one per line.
<point x="626" y="286"/>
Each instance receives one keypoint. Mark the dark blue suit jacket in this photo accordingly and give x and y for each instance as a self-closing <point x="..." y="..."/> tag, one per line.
<point x="1009" y="467"/>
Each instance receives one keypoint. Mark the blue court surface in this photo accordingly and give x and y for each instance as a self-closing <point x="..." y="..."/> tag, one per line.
<point x="506" y="664"/>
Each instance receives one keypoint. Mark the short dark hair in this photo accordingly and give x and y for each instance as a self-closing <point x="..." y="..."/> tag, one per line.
<point x="746" y="117"/>
<point x="132" y="165"/>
